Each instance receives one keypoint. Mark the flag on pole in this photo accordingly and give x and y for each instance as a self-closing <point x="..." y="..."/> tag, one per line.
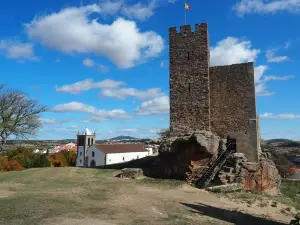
<point x="186" y="6"/>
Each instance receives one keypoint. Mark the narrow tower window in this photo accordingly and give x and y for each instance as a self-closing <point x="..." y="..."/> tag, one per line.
<point x="188" y="55"/>
<point x="189" y="87"/>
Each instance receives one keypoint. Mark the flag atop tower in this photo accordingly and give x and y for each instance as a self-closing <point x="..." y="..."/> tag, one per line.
<point x="186" y="6"/>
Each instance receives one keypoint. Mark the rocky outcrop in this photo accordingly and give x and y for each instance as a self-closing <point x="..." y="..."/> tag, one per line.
<point x="132" y="173"/>
<point x="205" y="139"/>
<point x="259" y="176"/>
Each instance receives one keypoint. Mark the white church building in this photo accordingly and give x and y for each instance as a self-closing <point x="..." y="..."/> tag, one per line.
<point x="90" y="154"/>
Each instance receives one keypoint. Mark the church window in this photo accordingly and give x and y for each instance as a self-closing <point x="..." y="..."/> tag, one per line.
<point x="92" y="141"/>
<point x="80" y="153"/>
<point x="89" y="142"/>
<point x="123" y="158"/>
<point x="93" y="154"/>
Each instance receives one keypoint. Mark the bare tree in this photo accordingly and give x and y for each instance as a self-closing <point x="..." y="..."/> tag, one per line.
<point x="19" y="115"/>
<point x="165" y="133"/>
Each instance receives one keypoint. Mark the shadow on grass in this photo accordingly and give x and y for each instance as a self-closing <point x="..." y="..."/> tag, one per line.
<point x="143" y="163"/>
<point x="237" y="218"/>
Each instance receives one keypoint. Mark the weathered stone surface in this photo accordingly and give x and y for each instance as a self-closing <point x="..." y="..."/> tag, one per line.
<point x="251" y="166"/>
<point x="226" y="188"/>
<point x="132" y="173"/>
<point x="189" y="79"/>
<point x="205" y="139"/>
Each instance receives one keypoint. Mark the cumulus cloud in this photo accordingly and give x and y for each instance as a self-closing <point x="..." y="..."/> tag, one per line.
<point x="261" y="79"/>
<point x="91" y="64"/>
<point x="88" y="62"/>
<point x="53" y="121"/>
<point x="160" y="105"/>
<point x="17" y="50"/>
<point x="132" y="92"/>
<point x="75" y="32"/>
<point x="103" y="68"/>
<point x="270" y="55"/>
<point x="89" y="84"/>
<point x="139" y="11"/>
<point x="48" y="121"/>
<point x="110" y="88"/>
<point x="266" y="6"/>
<point x="280" y="116"/>
<point x="98" y="115"/>
<point x="232" y="50"/>
<point x="111" y="7"/>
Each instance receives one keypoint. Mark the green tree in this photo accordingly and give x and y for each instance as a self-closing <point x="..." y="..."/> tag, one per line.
<point x="165" y="133"/>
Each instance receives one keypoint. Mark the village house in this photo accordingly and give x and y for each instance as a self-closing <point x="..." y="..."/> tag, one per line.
<point x="92" y="155"/>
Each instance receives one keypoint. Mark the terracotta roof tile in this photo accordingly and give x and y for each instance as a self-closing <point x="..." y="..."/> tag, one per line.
<point x="121" y="148"/>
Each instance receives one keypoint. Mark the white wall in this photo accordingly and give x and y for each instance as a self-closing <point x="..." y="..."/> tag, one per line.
<point x="98" y="157"/>
<point x="112" y="158"/>
<point x="80" y="156"/>
<point x="150" y="150"/>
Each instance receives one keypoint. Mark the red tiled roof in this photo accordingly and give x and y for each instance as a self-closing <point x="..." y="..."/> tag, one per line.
<point x="121" y="148"/>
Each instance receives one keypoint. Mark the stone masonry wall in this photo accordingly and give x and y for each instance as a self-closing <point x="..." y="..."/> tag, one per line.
<point x="189" y="79"/>
<point x="233" y="106"/>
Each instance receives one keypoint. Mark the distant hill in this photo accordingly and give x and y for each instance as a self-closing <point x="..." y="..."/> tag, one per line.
<point x="283" y="143"/>
<point x="120" y="138"/>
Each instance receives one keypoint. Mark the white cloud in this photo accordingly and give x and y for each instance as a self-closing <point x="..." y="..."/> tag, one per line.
<point x="110" y="88"/>
<point x="97" y="114"/>
<point x="259" y="72"/>
<point x="269" y="78"/>
<point x="111" y="7"/>
<point x="17" y="50"/>
<point x="160" y="105"/>
<point x="75" y="32"/>
<point x="89" y="84"/>
<point x="287" y="45"/>
<point x="280" y="116"/>
<point x="88" y="62"/>
<point x="261" y="79"/>
<point x="270" y="55"/>
<point x="266" y="6"/>
<point x="57" y="60"/>
<point x="231" y="51"/>
<point x="48" y="121"/>
<point x="132" y="92"/>
<point x="91" y="64"/>
<point x="139" y="11"/>
<point x="103" y="68"/>
<point x="53" y="121"/>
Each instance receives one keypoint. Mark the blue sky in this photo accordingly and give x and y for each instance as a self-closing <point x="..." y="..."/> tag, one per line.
<point x="104" y="64"/>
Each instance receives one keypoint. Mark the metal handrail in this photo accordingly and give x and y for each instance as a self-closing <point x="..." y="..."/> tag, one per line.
<point x="216" y="160"/>
<point x="213" y="160"/>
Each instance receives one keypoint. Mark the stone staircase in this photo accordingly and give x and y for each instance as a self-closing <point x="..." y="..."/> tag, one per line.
<point x="215" y="166"/>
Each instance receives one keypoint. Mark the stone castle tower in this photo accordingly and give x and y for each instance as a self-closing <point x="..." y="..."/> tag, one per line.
<point x="85" y="140"/>
<point x="218" y="99"/>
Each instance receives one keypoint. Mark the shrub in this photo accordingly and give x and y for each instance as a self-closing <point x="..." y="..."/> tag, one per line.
<point x="12" y="165"/>
<point x="3" y="160"/>
<point x="296" y="220"/>
<point x="62" y="159"/>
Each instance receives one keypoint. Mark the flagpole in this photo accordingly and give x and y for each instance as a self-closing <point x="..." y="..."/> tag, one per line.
<point x="184" y="14"/>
